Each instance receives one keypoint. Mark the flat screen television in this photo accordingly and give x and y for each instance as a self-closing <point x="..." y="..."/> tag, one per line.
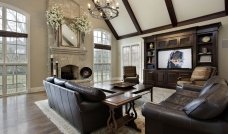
<point x="175" y="58"/>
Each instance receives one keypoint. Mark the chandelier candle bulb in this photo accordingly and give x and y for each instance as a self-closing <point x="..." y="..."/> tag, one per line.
<point x="89" y="6"/>
<point x="51" y="56"/>
<point x="104" y="9"/>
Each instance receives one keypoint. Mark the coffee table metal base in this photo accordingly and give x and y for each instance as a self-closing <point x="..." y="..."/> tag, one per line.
<point x="128" y="119"/>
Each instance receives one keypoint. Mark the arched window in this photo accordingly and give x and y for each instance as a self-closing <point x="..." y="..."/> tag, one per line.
<point x="102" y="55"/>
<point x="13" y="50"/>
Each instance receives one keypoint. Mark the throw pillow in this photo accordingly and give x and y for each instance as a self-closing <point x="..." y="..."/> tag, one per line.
<point x="50" y="79"/>
<point x="208" y="106"/>
<point x="88" y="93"/>
<point x="60" y="82"/>
<point x="201" y="73"/>
<point x="207" y="89"/>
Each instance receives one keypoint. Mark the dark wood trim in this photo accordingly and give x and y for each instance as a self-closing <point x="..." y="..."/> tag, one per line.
<point x="12" y="34"/>
<point x="132" y="16"/>
<point x="226" y="6"/>
<point x="101" y="46"/>
<point x="202" y="18"/>
<point x="171" y="11"/>
<point x="157" y="29"/>
<point x="112" y="29"/>
<point x="128" y="35"/>
<point x="183" y="23"/>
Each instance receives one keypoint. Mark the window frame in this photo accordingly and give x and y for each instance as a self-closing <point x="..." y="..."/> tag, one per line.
<point x="5" y="33"/>
<point x="102" y="47"/>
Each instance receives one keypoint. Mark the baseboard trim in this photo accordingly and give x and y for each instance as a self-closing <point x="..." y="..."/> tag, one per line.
<point x="36" y="89"/>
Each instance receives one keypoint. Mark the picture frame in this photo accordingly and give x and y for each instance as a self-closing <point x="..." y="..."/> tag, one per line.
<point x="205" y="58"/>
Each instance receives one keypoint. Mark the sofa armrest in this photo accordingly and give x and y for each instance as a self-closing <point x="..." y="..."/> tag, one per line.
<point x="182" y="78"/>
<point x="160" y="113"/>
<point x="192" y="87"/>
<point x="179" y="119"/>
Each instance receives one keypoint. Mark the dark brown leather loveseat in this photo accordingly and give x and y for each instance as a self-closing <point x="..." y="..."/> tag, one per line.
<point x="190" y="112"/>
<point x="81" y="106"/>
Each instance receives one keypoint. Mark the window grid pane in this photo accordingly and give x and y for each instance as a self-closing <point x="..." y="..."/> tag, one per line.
<point x="1" y="24"/>
<point x="1" y="80"/>
<point x="11" y="15"/>
<point x="0" y="12"/>
<point x="1" y="51"/>
<point x="11" y="26"/>
<point x="15" y="52"/>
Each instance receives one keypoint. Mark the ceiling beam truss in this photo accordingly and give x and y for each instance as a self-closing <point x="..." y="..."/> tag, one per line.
<point x="172" y="14"/>
<point x="226" y="6"/>
<point x="132" y="16"/>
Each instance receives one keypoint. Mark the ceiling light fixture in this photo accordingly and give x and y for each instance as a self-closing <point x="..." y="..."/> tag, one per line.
<point x="104" y="9"/>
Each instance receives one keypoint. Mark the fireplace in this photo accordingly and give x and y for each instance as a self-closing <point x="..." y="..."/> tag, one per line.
<point x="69" y="72"/>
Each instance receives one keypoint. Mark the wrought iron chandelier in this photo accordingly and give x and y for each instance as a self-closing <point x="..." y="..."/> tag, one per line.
<point x="104" y="9"/>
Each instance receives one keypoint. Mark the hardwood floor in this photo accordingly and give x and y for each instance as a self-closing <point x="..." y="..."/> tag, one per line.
<point x="20" y="115"/>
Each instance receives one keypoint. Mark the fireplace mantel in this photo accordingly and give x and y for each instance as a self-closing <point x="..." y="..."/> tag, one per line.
<point x="68" y="50"/>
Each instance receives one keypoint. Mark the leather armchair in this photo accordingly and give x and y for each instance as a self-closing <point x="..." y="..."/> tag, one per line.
<point x="198" y="78"/>
<point x="130" y="74"/>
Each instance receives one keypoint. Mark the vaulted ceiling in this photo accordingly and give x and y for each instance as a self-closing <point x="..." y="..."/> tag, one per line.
<point x="139" y="17"/>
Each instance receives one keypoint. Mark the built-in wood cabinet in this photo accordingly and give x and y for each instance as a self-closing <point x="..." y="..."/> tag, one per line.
<point x="202" y="41"/>
<point x="206" y="45"/>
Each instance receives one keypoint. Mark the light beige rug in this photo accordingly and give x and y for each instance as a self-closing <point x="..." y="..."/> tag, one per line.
<point x="159" y="94"/>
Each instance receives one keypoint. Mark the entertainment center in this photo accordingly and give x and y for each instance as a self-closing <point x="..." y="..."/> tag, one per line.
<point x="175" y="54"/>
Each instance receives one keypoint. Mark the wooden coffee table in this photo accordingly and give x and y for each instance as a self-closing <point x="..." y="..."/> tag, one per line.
<point x="138" y="89"/>
<point x="118" y="101"/>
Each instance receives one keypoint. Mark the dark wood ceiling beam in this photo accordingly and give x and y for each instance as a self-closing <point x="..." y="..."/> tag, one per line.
<point x="132" y="16"/>
<point x="226" y="6"/>
<point x="110" y="26"/>
<point x="183" y="23"/>
<point x="171" y="11"/>
<point x="112" y="29"/>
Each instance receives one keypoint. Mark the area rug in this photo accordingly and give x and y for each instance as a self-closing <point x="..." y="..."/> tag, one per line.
<point x="159" y="94"/>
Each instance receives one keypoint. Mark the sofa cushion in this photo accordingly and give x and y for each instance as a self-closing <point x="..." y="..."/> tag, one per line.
<point x="209" y="105"/>
<point x="207" y="89"/>
<point x="201" y="73"/>
<point x="60" y="82"/>
<point x="88" y="93"/>
<point x="50" y="79"/>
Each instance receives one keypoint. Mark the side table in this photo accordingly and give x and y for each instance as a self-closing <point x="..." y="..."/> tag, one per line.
<point x="118" y="101"/>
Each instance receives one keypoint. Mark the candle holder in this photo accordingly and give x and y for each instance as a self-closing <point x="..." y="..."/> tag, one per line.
<point x="52" y="66"/>
<point x="56" y="68"/>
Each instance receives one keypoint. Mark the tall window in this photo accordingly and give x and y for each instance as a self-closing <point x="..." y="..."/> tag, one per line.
<point x="13" y="51"/>
<point x="102" y="56"/>
<point x="131" y="56"/>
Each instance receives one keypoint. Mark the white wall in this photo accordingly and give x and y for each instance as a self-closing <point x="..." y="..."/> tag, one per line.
<point x="222" y="52"/>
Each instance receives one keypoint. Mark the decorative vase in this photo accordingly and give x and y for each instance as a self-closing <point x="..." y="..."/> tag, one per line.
<point x="58" y="36"/>
<point x="82" y="36"/>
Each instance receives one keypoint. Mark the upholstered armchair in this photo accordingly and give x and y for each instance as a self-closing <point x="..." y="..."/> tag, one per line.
<point x="130" y="74"/>
<point x="198" y="78"/>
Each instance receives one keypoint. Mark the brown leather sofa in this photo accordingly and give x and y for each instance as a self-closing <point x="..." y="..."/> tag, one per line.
<point x="190" y="112"/>
<point x="81" y="106"/>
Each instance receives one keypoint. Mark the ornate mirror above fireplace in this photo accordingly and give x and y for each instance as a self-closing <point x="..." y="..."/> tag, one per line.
<point x="69" y="37"/>
<point x="70" y="8"/>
